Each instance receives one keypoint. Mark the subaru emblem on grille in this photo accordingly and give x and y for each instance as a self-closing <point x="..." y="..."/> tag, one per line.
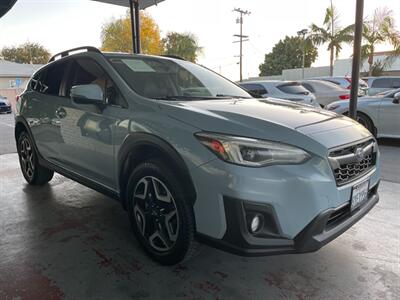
<point x="359" y="154"/>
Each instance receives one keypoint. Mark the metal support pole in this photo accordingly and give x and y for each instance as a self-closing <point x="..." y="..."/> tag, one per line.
<point x="132" y="15"/>
<point x="355" y="72"/>
<point x="137" y="26"/>
<point x="304" y="57"/>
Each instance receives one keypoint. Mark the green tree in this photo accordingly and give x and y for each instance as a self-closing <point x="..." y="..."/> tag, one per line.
<point x="116" y="35"/>
<point x="379" y="29"/>
<point x="28" y="53"/>
<point x="332" y="34"/>
<point x="184" y="45"/>
<point x="288" y="54"/>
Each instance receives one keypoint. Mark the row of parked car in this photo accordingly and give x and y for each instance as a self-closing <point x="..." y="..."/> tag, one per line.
<point x="378" y="105"/>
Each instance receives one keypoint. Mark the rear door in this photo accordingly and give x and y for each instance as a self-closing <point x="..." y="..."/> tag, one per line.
<point x="88" y="130"/>
<point x="40" y="109"/>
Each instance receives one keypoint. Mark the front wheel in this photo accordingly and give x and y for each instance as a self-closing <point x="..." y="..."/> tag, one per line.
<point x="34" y="173"/>
<point x="366" y="122"/>
<point x="161" y="217"/>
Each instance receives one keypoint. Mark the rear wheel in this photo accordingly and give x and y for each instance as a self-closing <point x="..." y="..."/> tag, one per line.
<point x="161" y="217"/>
<point x="33" y="173"/>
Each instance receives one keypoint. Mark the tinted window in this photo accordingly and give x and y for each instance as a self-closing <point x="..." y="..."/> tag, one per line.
<point x="293" y="88"/>
<point x="382" y="83"/>
<point x="396" y="83"/>
<point x="308" y="87"/>
<point x="87" y="71"/>
<point x="255" y="88"/>
<point x="53" y="76"/>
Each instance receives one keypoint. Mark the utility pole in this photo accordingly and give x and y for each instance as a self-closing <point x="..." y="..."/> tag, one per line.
<point x="241" y="37"/>
<point x="303" y="33"/>
<point x="355" y="71"/>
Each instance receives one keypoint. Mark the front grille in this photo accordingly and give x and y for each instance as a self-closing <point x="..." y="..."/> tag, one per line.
<point x="352" y="162"/>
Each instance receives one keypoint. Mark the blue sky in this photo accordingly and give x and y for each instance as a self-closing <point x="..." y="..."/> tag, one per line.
<point x="63" y="24"/>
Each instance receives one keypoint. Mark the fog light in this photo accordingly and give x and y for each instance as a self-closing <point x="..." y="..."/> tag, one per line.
<point x="256" y="223"/>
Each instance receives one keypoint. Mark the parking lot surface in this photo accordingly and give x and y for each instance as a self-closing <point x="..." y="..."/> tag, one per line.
<point x="65" y="241"/>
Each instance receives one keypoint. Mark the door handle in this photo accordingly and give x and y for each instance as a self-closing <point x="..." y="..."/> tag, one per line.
<point x="61" y="113"/>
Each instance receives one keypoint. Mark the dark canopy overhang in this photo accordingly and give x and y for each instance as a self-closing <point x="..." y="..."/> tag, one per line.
<point x="5" y="6"/>
<point x="143" y="4"/>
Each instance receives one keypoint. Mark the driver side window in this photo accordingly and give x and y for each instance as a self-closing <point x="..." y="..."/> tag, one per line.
<point x="87" y="71"/>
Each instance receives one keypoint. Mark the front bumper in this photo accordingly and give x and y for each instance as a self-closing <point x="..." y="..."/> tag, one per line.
<point x="5" y="109"/>
<point x="324" y="228"/>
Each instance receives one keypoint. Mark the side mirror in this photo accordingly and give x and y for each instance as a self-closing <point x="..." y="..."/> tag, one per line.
<point x="87" y="94"/>
<point x="396" y="98"/>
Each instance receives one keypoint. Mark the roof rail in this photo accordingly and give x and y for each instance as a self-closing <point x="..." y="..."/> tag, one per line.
<point x="173" y="56"/>
<point x="68" y="52"/>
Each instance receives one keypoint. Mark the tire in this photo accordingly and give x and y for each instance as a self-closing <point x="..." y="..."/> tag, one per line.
<point x="34" y="173"/>
<point x="161" y="218"/>
<point x="366" y="122"/>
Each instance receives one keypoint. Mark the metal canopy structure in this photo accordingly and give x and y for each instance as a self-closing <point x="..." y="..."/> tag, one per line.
<point x="135" y="6"/>
<point x="5" y="6"/>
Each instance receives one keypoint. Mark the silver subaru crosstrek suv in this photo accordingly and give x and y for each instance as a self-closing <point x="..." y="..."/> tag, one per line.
<point x="193" y="158"/>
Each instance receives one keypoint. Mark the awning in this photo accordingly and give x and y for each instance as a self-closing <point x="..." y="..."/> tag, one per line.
<point x="5" y="6"/>
<point x="143" y="4"/>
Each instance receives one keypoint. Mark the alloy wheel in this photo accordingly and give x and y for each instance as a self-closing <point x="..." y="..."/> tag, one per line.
<point x="155" y="213"/>
<point x="27" y="157"/>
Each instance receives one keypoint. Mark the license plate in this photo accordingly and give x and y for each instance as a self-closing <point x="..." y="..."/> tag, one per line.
<point x="360" y="194"/>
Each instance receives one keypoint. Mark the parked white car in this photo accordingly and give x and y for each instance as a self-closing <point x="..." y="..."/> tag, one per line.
<point x="380" y="114"/>
<point x="326" y="92"/>
<point x="287" y="90"/>
<point x="345" y="82"/>
<point x="382" y="84"/>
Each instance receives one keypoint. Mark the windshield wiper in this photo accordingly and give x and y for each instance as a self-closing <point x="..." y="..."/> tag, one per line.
<point x="188" y="98"/>
<point x="231" y="96"/>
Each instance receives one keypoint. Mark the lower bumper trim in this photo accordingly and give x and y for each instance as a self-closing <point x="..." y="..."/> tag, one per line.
<point x="314" y="236"/>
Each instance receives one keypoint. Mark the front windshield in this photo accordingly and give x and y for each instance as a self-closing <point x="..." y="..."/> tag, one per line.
<point x="168" y="79"/>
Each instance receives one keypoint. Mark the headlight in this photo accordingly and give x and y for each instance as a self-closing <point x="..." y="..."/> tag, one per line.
<point x="251" y="152"/>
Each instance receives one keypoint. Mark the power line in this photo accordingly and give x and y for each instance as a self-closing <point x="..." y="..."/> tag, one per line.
<point x="242" y="38"/>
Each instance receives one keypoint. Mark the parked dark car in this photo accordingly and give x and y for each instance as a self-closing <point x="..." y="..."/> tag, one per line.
<point x="5" y="106"/>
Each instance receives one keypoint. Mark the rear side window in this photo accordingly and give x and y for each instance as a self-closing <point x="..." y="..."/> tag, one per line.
<point x="53" y="76"/>
<point x="396" y="83"/>
<point x="293" y="88"/>
<point x="382" y="83"/>
<point x="255" y="88"/>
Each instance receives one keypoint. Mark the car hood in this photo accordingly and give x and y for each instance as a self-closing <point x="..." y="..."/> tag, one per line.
<point x="270" y="119"/>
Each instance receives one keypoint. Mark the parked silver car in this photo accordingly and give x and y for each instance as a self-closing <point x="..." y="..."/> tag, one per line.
<point x="382" y="84"/>
<point x="380" y="114"/>
<point x="345" y="82"/>
<point x="326" y="92"/>
<point x="287" y="90"/>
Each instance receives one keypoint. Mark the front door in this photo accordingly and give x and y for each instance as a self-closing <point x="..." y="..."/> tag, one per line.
<point x="389" y="117"/>
<point x="87" y="130"/>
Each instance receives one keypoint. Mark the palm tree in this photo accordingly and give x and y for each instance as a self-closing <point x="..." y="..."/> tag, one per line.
<point x="380" y="29"/>
<point x="332" y="34"/>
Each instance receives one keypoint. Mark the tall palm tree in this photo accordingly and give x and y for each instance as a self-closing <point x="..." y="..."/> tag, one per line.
<point x="332" y="34"/>
<point x="377" y="30"/>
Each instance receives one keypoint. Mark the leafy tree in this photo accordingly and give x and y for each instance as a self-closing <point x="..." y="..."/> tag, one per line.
<point x="332" y="34"/>
<point x="183" y="45"/>
<point x="288" y="54"/>
<point x="28" y="53"/>
<point x="116" y="35"/>
<point x="377" y="30"/>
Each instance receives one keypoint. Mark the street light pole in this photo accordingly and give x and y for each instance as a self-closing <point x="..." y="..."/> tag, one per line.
<point x="355" y="72"/>
<point x="303" y="33"/>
